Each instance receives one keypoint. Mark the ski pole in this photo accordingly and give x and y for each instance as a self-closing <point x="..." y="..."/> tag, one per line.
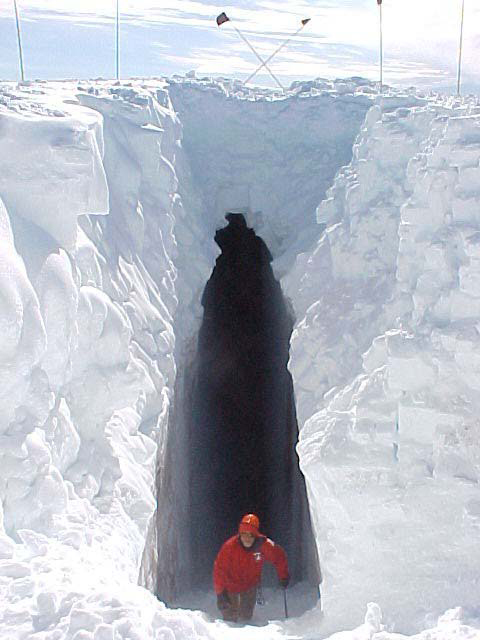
<point x="259" y="58"/>
<point x="117" y="43"/>
<point x="460" y="49"/>
<point x="379" y="2"/>
<point x="221" y="19"/>
<point x="285" y="602"/>
<point x="277" y="50"/>
<point x="19" y="38"/>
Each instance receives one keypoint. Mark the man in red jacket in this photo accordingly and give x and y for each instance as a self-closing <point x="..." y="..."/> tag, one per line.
<point x="238" y="569"/>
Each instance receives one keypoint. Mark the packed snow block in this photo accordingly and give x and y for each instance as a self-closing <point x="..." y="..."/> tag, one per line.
<point x="409" y="365"/>
<point x="428" y="190"/>
<point x="440" y="156"/>
<point x="410" y="373"/>
<point x="470" y="242"/>
<point x="421" y="424"/>
<point x="376" y="355"/>
<point x="468" y="184"/>
<point x="58" y="170"/>
<point x="439" y="262"/>
<point x="469" y="278"/>
<point x="440" y="190"/>
<point x="463" y="130"/>
<point x="467" y="155"/>
<point x="12" y="569"/>
<point x="468" y="363"/>
<point x="456" y="456"/>
<point x="463" y="306"/>
<point x="466" y="210"/>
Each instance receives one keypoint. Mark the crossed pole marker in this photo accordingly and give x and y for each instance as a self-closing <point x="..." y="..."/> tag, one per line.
<point x="222" y="18"/>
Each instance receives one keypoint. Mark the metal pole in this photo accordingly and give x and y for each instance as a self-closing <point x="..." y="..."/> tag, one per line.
<point x="381" y="47"/>
<point x="117" y="44"/>
<point x="259" y="58"/>
<point x="285" y="602"/>
<point x="460" y="49"/>
<point x="264" y="64"/>
<point x="19" y="38"/>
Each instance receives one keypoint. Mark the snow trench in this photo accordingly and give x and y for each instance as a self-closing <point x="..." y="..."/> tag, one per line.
<point x="111" y="196"/>
<point x="242" y="428"/>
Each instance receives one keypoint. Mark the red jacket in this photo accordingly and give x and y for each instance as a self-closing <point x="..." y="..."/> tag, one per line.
<point x="237" y="569"/>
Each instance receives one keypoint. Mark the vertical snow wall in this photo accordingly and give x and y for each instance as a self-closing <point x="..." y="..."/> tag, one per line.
<point x="384" y="361"/>
<point x="108" y="219"/>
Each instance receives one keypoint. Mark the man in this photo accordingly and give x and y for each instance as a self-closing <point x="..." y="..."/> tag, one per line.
<point x="238" y="569"/>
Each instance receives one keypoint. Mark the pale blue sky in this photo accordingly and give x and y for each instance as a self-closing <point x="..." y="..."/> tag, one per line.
<point x="72" y="39"/>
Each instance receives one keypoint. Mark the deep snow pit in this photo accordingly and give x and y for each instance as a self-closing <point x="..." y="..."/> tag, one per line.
<point x="242" y="428"/>
<point x="112" y="421"/>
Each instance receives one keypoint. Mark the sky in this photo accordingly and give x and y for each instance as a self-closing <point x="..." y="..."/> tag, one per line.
<point x="76" y="39"/>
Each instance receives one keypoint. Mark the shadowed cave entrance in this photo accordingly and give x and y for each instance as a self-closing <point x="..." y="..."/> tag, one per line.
<point x="242" y="426"/>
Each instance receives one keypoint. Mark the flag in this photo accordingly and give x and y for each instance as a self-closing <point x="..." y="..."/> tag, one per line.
<point x="379" y="1"/>
<point x="222" y="18"/>
<point x="306" y="21"/>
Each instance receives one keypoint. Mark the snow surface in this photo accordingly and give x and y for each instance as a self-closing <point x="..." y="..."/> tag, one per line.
<point x="109" y="198"/>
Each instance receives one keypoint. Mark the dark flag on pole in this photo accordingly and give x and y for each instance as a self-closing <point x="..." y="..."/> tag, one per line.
<point x="379" y="1"/>
<point x="305" y="21"/>
<point x="222" y="18"/>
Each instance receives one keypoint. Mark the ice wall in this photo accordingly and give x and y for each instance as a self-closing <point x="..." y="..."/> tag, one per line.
<point x="390" y="451"/>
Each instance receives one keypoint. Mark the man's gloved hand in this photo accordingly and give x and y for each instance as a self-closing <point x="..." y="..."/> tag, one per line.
<point x="284" y="582"/>
<point x="223" y="601"/>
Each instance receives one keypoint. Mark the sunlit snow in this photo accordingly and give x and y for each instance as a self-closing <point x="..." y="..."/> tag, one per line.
<point x="110" y="195"/>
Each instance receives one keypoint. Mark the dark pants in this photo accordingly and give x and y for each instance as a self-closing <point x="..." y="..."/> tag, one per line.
<point x="241" y="605"/>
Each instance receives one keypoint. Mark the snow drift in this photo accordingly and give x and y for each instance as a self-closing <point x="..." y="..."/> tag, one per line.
<point x="110" y="198"/>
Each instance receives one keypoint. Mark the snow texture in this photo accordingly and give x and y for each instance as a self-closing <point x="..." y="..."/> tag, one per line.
<point x="110" y="195"/>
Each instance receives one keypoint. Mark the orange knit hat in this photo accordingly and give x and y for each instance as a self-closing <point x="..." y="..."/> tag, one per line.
<point x="249" y="524"/>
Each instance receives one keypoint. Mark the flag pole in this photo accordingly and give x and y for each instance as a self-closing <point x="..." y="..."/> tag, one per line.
<point x="117" y="43"/>
<point x="221" y="19"/>
<point x="259" y="58"/>
<point x="379" y="2"/>
<point x="460" y="49"/>
<point x="19" y="39"/>
<point x="264" y="64"/>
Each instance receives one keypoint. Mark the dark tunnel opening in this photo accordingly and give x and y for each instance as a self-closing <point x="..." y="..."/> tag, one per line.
<point x="242" y="426"/>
